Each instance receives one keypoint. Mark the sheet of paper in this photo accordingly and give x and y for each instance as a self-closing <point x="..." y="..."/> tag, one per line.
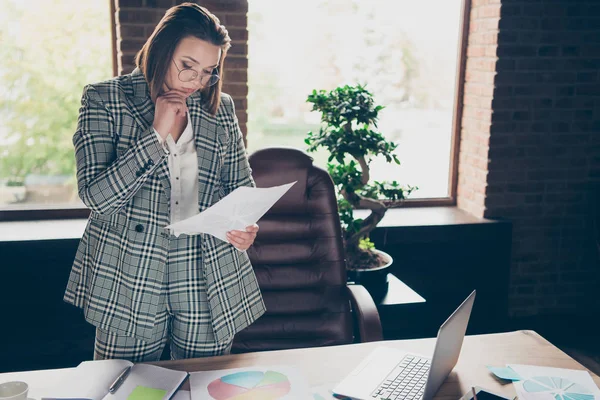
<point x="77" y="384"/>
<point x="258" y="382"/>
<point x="148" y="381"/>
<point x="546" y="383"/>
<point x="181" y="395"/>
<point x="484" y="394"/>
<point x="506" y="373"/>
<point x="239" y="209"/>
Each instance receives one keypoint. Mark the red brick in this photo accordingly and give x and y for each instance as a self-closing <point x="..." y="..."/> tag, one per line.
<point x="139" y="15"/>
<point x="236" y="75"/>
<point x="492" y="10"/>
<point x="238" y="34"/>
<point x="225" y="6"/>
<point x="236" y="89"/>
<point x="242" y="116"/>
<point x="161" y="4"/>
<point x="130" y="31"/>
<point x="234" y="20"/>
<point x="130" y="3"/>
<point x="475" y="51"/>
<point x="236" y="62"/>
<point x="483" y="25"/>
<point x="241" y="103"/>
<point x="238" y="48"/>
<point x="131" y="45"/>
<point x="149" y="29"/>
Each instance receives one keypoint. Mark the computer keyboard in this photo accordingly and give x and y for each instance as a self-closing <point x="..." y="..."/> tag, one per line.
<point x="406" y="381"/>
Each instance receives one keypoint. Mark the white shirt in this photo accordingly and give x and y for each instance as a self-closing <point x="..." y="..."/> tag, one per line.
<point x="183" y="170"/>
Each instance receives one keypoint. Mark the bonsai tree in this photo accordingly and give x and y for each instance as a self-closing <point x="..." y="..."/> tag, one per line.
<point x="349" y="133"/>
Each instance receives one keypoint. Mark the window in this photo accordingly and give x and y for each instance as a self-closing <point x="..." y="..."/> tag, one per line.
<point x="50" y="50"/>
<point x="405" y="51"/>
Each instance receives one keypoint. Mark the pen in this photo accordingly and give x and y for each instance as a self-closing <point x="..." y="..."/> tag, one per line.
<point x="115" y="385"/>
<point x="474" y="394"/>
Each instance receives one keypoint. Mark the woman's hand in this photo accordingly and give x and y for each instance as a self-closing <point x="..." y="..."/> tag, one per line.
<point x="169" y="107"/>
<point x="243" y="240"/>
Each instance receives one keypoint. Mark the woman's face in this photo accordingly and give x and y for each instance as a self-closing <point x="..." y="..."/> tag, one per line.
<point x="195" y="54"/>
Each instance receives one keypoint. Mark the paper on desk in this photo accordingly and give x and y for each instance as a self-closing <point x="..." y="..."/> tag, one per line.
<point x="239" y="209"/>
<point x="283" y="382"/>
<point x="181" y="395"/>
<point x="546" y="383"/>
<point x="506" y="373"/>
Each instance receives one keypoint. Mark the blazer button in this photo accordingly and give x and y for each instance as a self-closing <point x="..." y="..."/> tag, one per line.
<point x="139" y="228"/>
<point x="138" y="173"/>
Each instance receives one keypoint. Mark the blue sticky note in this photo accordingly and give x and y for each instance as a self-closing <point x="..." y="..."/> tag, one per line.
<point x="506" y="373"/>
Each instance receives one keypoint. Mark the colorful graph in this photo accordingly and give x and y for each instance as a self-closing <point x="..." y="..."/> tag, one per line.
<point x="559" y="388"/>
<point x="252" y="385"/>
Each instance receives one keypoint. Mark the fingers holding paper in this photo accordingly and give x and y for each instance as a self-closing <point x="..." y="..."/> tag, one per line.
<point x="243" y="240"/>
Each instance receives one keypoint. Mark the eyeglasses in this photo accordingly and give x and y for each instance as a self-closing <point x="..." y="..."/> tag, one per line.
<point x="189" y="74"/>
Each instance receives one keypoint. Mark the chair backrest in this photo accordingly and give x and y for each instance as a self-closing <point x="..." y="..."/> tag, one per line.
<point x="298" y="258"/>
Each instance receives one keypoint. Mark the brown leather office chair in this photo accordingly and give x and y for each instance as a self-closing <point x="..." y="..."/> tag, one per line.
<point x="299" y="261"/>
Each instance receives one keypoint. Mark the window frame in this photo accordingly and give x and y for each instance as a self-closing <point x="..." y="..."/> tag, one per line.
<point x="61" y="212"/>
<point x="19" y="213"/>
<point x="459" y="91"/>
<point x="459" y="87"/>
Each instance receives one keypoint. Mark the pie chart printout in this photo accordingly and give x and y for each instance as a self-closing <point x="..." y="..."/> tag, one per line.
<point x="559" y="388"/>
<point x="253" y="385"/>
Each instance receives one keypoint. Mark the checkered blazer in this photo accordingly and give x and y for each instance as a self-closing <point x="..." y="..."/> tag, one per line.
<point x="123" y="177"/>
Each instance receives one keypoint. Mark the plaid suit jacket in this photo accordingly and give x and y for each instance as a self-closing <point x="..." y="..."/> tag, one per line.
<point x="123" y="177"/>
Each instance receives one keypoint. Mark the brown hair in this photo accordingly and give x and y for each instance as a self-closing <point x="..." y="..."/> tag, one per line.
<point x="183" y="20"/>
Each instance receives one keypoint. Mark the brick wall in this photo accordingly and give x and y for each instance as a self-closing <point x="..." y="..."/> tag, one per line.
<point x="543" y="166"/>
<point x="135" y="20"/>
<point x="477" y="105"/>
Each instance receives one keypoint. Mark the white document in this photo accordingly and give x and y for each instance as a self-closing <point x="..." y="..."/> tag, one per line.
<point x="92" y="379"/>
<point x="181" y="395"/>
<point x="259" y="382"/>
<point x="241" y="208"/>
<point x="546" y="383"/>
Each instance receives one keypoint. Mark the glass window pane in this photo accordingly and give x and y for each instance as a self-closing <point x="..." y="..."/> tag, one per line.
<point x="404" y="51"/>
<point x="50" y="50"/>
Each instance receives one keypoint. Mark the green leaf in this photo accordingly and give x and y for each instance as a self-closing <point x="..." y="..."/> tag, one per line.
<point x="348" y="130"/>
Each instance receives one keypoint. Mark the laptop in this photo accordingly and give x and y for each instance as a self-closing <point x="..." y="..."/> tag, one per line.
<point x="390" y="373"/>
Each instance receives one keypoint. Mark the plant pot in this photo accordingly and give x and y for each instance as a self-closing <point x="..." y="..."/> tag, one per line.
<point x="375" y="280"/>
<point x="12" y="194"/>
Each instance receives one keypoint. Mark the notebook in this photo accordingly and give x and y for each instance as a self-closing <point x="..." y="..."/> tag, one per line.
<point x="92" y="380"/>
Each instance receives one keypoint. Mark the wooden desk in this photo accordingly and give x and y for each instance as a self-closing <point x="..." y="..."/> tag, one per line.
<point x="327" y="365"/>
<point x="330" y="364"/>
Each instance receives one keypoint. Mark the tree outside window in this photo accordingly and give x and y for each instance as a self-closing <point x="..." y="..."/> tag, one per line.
<point x="50" y="50"/>
<point x="403" y="51"/>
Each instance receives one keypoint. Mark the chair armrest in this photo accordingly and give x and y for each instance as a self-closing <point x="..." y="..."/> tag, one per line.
<point x="367" y="316"/>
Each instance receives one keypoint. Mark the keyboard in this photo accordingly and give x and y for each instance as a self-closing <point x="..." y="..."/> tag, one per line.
<point x="406" y="381"/>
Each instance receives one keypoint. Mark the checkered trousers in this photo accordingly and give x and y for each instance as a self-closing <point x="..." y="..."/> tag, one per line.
<point x="183" y="319"/>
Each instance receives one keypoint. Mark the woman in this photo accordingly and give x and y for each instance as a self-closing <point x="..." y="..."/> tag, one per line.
<point x="152" y="148"/>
